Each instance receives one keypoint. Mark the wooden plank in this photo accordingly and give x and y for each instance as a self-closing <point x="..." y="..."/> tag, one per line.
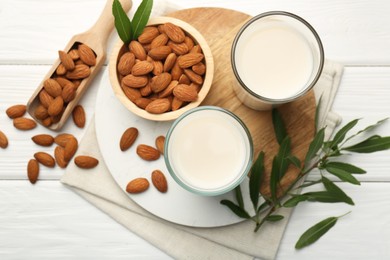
<point x="48" y="220"/>
<point x="352" y="32"/>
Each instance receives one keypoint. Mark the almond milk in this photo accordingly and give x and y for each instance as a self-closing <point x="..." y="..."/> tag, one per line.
<point x="208" y="150"/>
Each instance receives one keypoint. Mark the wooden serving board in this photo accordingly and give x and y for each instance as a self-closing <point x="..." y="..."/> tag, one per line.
<point x="219" y="27"/>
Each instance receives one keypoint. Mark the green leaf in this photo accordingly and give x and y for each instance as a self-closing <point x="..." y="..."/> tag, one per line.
<point x="262" y="206"/>
<point x="274" y="218"/>
<point x="370" y="145"/>
<point x="310" y="183"/>
<point x="340" y="135"/>
<point x="346" y="167"/>
<point x="122" y="22"/>
<point x="369" y="128"/>
<point x="335" y="190"/>
<point x="315" y="232"/>
<point x="141" y="17"/>
<point x="255" y="179"/>
<point x="317" y="115"/>
<point x="239" y="198"/>
<point x="236" y="209"/>
<point x="315" y="146"/>
<point x="294" y="160"/>
<point x="342" y="175"/>
<point x="279" y="128"/>
<point x="283" y="154"/>
<point x="295" y="200"/>
<point x="274" y="178"/>
<point x="324" y="196"/>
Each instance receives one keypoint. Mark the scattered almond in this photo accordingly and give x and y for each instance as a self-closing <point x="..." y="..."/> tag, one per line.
<point x="128" y="138"/>
<point x="86" y="162"/>
<point x="137" y="185"/>
<point x="78" y="115"/>
<point x="43" y="139"/>
<point x="3" y="140"/>
<point x="159" y="181"/>
<point x="160" y="143"/>
<point x="33" y="170"/>
<point x="16" y="111"/>
<point x="147" y="152"/>
<point x="62" y="139"/>
<point x="23" y="123"/>
<point x="45" y="159"/>
<point x="59" y="155"/>
<point x="70" y="148"/>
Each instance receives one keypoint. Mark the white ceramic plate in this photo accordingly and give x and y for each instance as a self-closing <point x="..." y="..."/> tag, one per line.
<point x="176" y="205"/>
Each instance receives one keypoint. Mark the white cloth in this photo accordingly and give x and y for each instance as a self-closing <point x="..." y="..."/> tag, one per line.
<point x="236" y="241"/>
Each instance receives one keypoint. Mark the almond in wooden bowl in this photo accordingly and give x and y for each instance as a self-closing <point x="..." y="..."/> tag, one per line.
<point x="165" y="72"/>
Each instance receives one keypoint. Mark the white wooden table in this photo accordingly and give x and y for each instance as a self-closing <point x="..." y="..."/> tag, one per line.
<point x="46" y="220"/>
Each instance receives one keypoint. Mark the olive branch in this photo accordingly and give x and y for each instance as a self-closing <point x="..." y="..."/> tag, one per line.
<point x="322" y="155"/>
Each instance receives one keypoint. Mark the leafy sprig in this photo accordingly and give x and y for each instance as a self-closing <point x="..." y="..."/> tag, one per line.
<point x="322" y="155"/>
<point x="130" y="30"/>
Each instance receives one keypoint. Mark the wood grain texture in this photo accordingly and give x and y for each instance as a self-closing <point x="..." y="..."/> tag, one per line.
<point x="298" y="115"/>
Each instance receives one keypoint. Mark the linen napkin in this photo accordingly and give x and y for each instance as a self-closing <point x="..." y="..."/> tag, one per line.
<point x="237" y="241"/>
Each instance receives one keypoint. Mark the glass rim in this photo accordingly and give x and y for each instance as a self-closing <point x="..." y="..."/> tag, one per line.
<point x="304" y="22"/>
<point x="225" y="188"/>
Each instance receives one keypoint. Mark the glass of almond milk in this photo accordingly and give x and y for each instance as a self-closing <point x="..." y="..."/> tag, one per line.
<point x="276" y="58"/>
<point x="208" y="151"/>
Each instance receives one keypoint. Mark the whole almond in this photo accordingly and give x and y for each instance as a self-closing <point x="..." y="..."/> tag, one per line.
<point x="131" y="93"/>
<point x="78" y="115"/>
<point x="45" y="159"/>
<point x="195" y="78"/>
<point x="142" y="68"/>
<point x="16" y="111"/>
<point x="66" y="60"/>
<point x="196" y="49"/>
<point x="47" y="122"/>
<point x="176" y="103"/>
<point x="143" y="102"/>
<point x="45" y="98"/>
<point x="56" y="106"/>
<point x="135" y="81"/>
<point x="178" y="48"/>
<point x="87" y="55"/>
<point x="68" y="93"/>
<point x="190" y="59"/>
<point x="148" y="35"/>
<point x="160" y="53"/>
<point x="62" y="139"/>
<point x="185" y="93"/>
<point x="158" y="106"/>
<point x="176" y="71"/>
<point x="146" y="91"/>
<point x="159" y="181"/>
<point x="33" y="170"/>
<point x="74" y="54"/>
<point x="128" y="138"/>
<point x="184" y="80"/>
<point x="63" y="81"/>
<point x="199" y="68"/>
<point x="23" y="123"/>
<point x="137" y="185"/>
<point x="168" y="90"/>
<point x="160" y="82"/>
<point x="86" y="162"/>
<point x="160" y="40"/>
<point x="137" y="49"/>
<point x="40" y="112"/>
<point x="61" y="70"/>
<point x="59" y="155"/>
<point x="70" y="149"/>
<point x="174" y="32"/>
<point x="169" y="62"/>
<point x="126" y="63"/>
<point x="158" y="67"/>
<point x="190" y="43"/>
<point x="52" y="87"/>
<point x="160" y="142"/>
<point x="43" y="139"/>
<point x="3" y="140"/>
<point x="147" y="152"/>
<point x="80" y="72"/>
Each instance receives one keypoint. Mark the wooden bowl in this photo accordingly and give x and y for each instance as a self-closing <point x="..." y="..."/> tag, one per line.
<point x="120" y="48"/>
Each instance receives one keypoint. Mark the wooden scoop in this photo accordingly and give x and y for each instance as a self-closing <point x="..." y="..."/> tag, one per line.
<point x="96" y="38"/>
